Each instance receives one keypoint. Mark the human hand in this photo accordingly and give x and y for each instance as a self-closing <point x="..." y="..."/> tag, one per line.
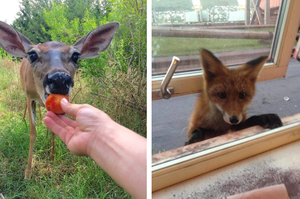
<point x="79" y="135"/>
<point x="116" y="149"/>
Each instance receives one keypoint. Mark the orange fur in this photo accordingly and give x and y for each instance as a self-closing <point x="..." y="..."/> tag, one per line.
<point x="227" y="93"/>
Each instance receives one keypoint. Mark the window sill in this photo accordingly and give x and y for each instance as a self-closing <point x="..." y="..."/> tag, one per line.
<point x="186" y="162"/>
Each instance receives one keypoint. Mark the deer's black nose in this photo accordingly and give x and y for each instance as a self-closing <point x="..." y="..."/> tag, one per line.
<point x="58" y="83"/>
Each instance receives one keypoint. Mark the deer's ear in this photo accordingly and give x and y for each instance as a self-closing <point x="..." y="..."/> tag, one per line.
<point x="97" y="40"/>
<point x="13" y="42"/>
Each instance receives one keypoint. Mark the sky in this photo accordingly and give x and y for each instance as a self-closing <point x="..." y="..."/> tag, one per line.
<point x="8" y="10"/>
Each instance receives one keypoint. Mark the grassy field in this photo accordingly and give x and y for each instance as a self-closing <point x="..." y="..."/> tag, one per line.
<point x="179" y="46"/>
<point x="68" y="176"/>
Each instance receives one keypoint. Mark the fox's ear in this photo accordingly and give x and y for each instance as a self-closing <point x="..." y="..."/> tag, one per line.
<point x="211" y="65"/>
<point x="252" y="68"/>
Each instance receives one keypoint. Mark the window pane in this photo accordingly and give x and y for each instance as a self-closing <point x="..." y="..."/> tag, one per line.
<point x="235" y="30"/>
<point x="233" y="42"/>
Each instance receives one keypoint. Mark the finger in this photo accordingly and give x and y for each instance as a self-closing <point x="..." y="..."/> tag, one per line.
<point x="65" y="121"/>
<point x="68" y="121"/>
<point x="59" y="127"/>
<point x="57" y="119"/>
<point x="68" y="108"/>
<point x="58" y="130"/>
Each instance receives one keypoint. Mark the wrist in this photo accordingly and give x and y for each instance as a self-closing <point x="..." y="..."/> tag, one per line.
<point x="121" y="153"/>
<point x="103" y="134"/>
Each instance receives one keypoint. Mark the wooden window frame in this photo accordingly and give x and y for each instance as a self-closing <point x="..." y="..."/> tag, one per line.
<point x="183" y="168"/>
<point x="192" y="82"/>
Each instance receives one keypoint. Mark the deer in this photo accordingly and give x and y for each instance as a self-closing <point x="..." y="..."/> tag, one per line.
<point x="49" y="67"/>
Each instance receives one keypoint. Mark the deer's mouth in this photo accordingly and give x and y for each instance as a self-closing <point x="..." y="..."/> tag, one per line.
<point x="47" y="93"/>
<point x="58" y="83"/>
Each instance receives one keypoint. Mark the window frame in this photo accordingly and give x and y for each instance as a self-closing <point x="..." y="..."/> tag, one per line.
<point x="185" y="83"/>
<point x="184" y="168"/>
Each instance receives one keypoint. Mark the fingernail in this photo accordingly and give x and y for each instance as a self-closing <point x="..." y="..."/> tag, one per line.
<point x="64" y="100"/>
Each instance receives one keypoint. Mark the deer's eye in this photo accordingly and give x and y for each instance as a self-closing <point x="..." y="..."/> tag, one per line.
<point x="75" y="57"/>
<point x="32" y="56"/>
<point x="222" y="95"/>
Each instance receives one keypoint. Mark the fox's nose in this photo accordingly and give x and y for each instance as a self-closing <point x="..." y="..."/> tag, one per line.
<point x="234" y="119"/>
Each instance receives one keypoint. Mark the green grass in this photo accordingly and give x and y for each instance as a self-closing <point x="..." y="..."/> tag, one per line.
<point x="179" y="46"/>
<point x="68" y="176"/>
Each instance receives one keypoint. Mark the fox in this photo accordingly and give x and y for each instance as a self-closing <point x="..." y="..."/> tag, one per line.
<point x="227" y="94"/>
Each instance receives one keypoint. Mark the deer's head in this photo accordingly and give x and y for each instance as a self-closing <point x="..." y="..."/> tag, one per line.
<point x="53" y="63"/>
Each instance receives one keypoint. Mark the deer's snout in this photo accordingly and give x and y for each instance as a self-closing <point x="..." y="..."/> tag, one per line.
<point x="58" y="83"/>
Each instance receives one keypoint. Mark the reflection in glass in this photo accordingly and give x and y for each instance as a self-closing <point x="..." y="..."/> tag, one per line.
<point x="236" y="30"/>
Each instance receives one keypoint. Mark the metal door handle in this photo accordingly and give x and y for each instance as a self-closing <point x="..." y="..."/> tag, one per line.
<point x="164" y="91"/>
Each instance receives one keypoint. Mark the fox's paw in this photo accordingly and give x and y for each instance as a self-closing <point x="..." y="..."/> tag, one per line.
<point x="270" y="121"/>
<point x="196" y="136"/>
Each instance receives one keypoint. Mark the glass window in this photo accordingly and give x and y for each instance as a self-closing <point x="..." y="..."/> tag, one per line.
<point x="235" y="30"/>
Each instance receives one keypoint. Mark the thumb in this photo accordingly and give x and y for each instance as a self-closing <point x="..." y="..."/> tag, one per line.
<point x="68" y="108"/>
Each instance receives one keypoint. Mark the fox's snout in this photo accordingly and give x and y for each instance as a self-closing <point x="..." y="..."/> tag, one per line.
<point x="232" y="120"/>
<point x="231" y="117"/>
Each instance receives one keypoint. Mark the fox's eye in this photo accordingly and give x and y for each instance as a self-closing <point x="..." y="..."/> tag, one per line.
<point x="222" y="95"/>
<point x="242" y="95"/>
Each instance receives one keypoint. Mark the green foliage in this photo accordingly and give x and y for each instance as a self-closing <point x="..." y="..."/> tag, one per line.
<point x="190" y="46"/>
<point x="4" y="54"/>
<point x="61" y="23"/>
<point x="59" y="27"/>
<point x="67" y="21"/>
<point x="77" y="9"/>
<point x="122" y="95"/>
<point x="89" y="22"/>
<point x="130" y="50"/>
<point x="30" y="20"/>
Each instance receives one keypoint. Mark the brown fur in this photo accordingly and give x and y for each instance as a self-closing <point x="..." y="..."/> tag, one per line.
<point x="210" y="110"/>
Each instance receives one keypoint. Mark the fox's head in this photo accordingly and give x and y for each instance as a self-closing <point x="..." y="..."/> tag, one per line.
<point x="230" y="90"/>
